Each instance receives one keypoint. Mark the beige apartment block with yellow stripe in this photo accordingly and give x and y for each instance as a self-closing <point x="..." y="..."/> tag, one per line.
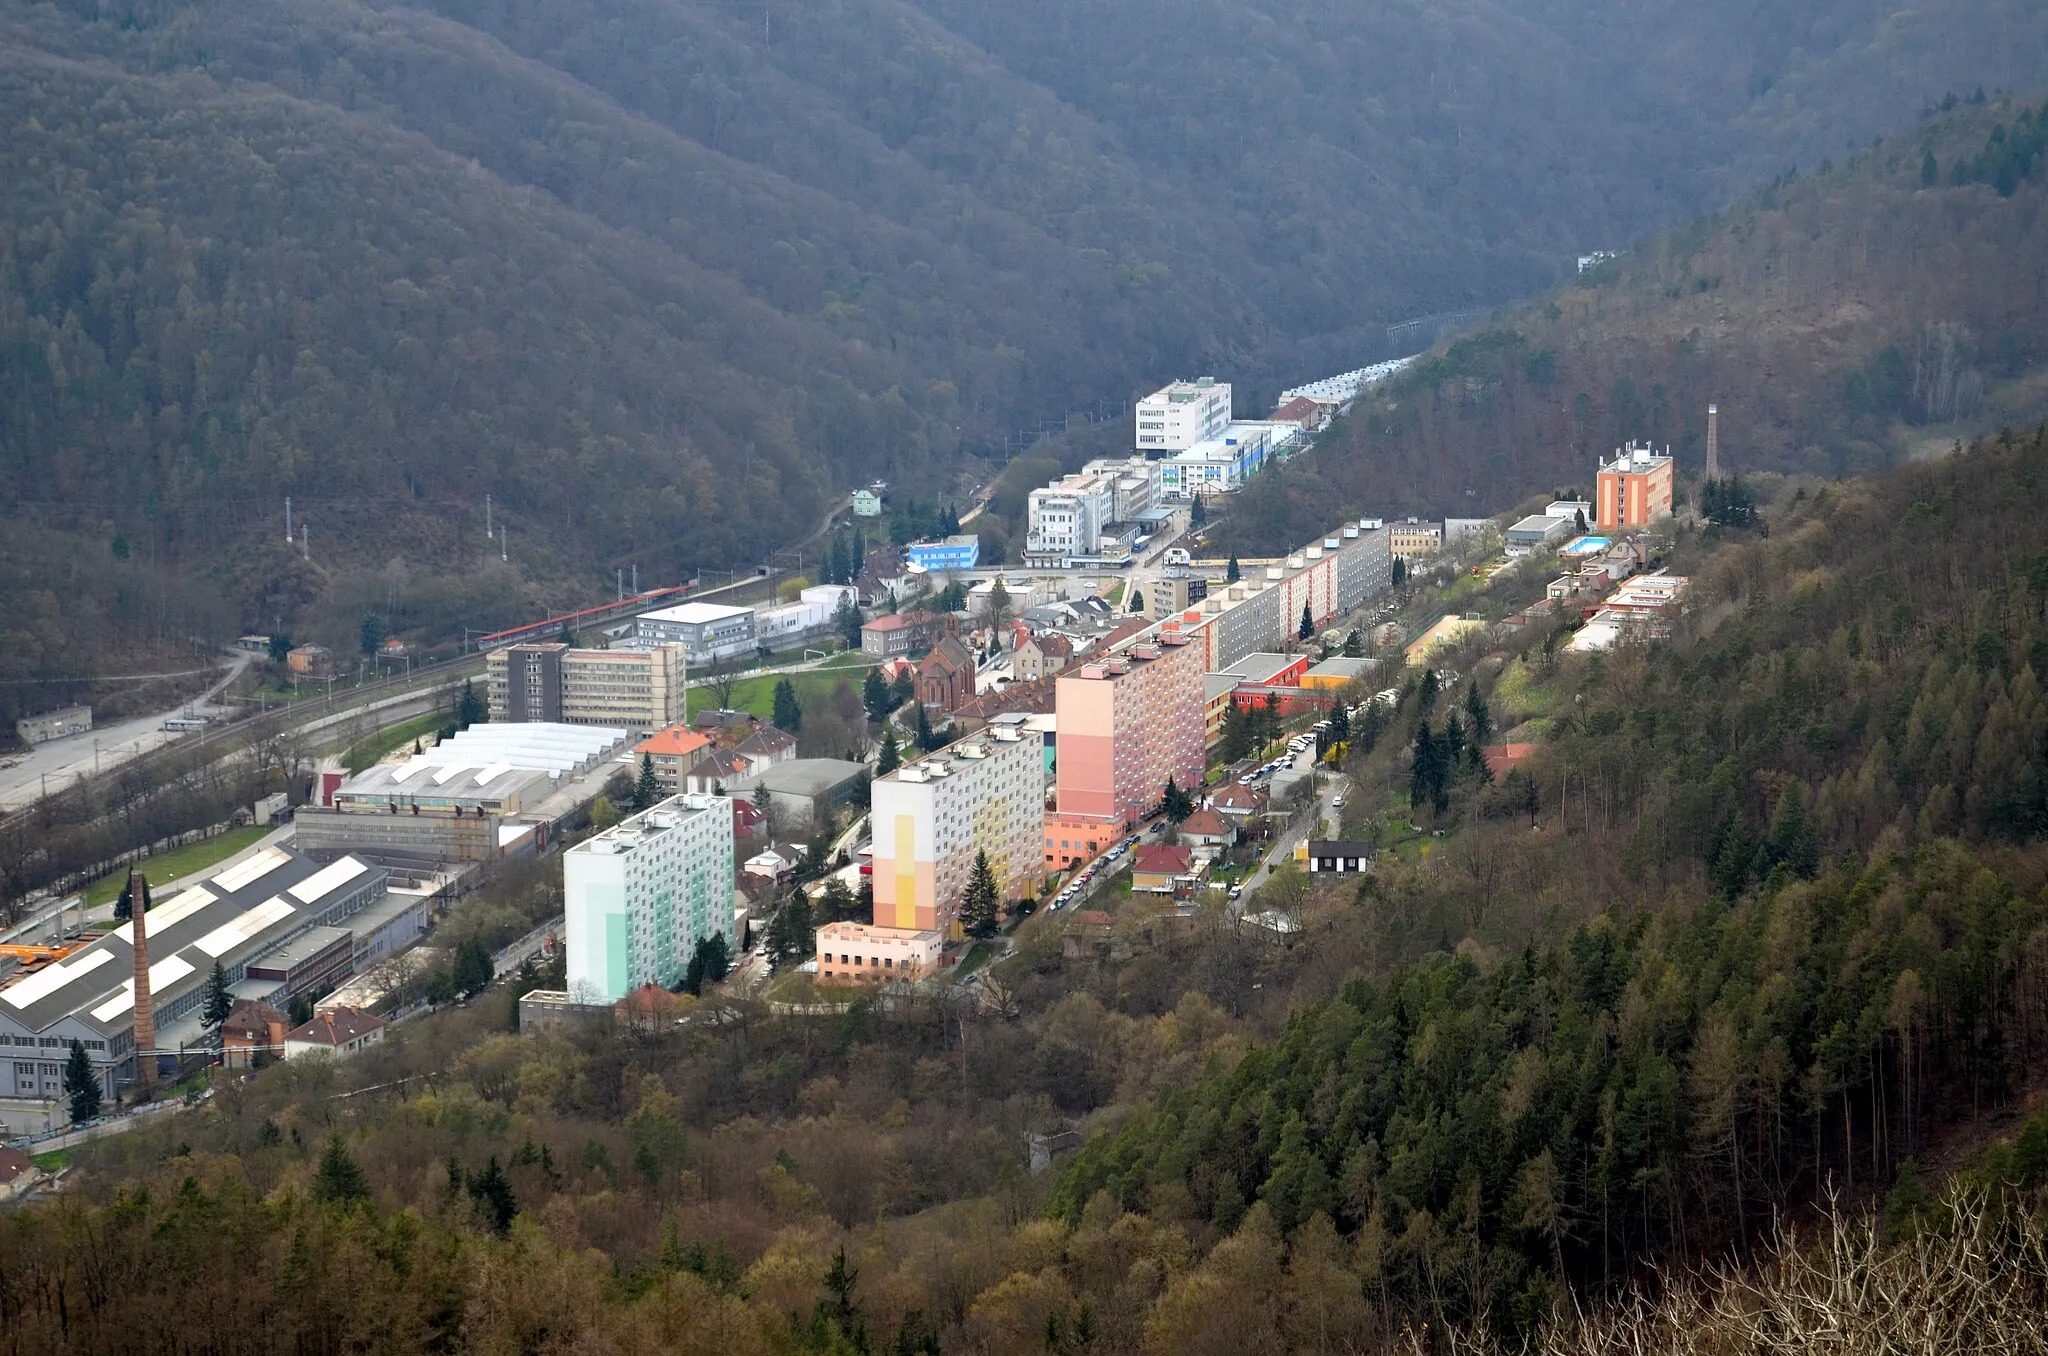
<point x="930" y="819"/>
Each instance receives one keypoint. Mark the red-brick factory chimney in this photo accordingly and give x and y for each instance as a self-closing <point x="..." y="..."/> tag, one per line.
<point x="145" y="1014"/>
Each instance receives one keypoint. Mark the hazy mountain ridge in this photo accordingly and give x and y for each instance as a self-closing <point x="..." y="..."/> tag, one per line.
<point x="1843" y="321"/>
<point x="771" y="251"/>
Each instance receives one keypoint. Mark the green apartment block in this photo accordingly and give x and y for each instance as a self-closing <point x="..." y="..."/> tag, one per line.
<point x="642" y="894"/>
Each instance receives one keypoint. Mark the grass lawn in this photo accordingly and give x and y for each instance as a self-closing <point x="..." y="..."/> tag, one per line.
<point x="168" y="867"/>
<point x="756" y="695"/>
<point x="1115" y="596"/>
<point x="367" y="752"/>
<point x="977" y="956"/>
<point x="55" y="1159"/>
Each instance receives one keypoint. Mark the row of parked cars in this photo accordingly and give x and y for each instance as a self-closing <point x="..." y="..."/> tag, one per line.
<point x="1080" y="883"/>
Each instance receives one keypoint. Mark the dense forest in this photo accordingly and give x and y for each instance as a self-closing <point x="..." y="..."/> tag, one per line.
<point x="1763" y="921"/>
<point x="1883" y="306"/>
<point x="663" y="279"/>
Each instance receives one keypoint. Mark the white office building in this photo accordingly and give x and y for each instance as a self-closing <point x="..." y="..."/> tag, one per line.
<point x="1174" y="418"/>
<point x="812" y="617"/>
<point x="1067" y="517"/>
<point x="642" y="894"/>
<point x="707" y="631"/>
<point x="1137" y="484"/>
<point x="1218" y="465"/>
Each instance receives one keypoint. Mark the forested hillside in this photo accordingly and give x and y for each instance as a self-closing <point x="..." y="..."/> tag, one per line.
<point x="1887" y="305"/>
<point x="664" y="277"/>
<point x="1775" y="926"/>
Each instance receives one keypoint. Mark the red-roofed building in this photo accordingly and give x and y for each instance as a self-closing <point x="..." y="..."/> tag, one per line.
<point x="673" y="751"/>
<point x="1500" y="757"/>
<point x="252" y="1029"/>
<point x="1207" y="832"/>
<point x="1158" y="867"/>
<point x="1301" y="412"/>
<point x="337" y="1032"/>
<point x="945" y="679"/>
<point x="900" y="633"/>
<point x="748" y="819"/>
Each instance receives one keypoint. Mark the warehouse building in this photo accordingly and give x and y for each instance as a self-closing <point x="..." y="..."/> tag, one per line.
<point x="277" y="923"/>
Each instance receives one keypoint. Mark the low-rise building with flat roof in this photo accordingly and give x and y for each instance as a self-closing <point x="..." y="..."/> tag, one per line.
<point x="708" y="632"/>
<point x="803" y="790"/>
<point x="861" y="953"/>
<point x="947" y="553"/>
<point x="1339" y="672"/>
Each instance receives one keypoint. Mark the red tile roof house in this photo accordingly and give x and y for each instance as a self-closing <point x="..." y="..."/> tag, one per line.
<point x="1500" y="757"/>
<point x="1207" y="832"/>
<point x="338" y="1032"/>
<point x="1238" y="801"/>
<point x="1158" y="866"/>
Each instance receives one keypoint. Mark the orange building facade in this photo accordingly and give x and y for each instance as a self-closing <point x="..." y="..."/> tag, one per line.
<point x="1635" y="488"/>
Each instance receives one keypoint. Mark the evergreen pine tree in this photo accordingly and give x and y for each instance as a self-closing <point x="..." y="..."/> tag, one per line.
<point x="791" y="933"/>
<point x="1930" y="171"/>
<point x="978" y="907"/>
<point x="1400" y="573"/>
<point x="1354" y="645"/>
<point x="470" y="709"/>
<point x="218" y="1003"/>
<point x="1176" y="802"/>
<point x="124" y="906"/>
<point x="890" y="758"/>
<point x="788" y="712"/>
<point x="473" y="968"/>
<point x="846" y="618"/>
<point x="1308" y="623"/>
<point x="1429" y="690"/>
<point x="492" y="1192"/>
<point x="1482" y="719"/>
<point x="1232" y="572"/>
<point x="338" y="1180"/>
<point x="1422" y="769"/>
<point x="81" y="1085"/>
<point x="1237" y="734"/>
<point x="874" y="695"/>
<point x="646" y="791"/>
<point x="924" y="729"/>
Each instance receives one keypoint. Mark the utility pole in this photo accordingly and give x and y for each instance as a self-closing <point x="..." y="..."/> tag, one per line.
<point x="619" y="586"/>
<point x="488" y="533"/>
<point x="503" y="549"/>
<point x="287" y="518"/>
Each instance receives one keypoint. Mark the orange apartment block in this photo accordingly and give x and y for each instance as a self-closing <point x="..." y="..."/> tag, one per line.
<point x="1635" y="488"/>
<point x="1127" y="723"/>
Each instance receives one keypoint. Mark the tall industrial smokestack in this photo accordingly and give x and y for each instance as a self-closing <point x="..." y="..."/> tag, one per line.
<point x="145" y="1014"/>
<point x="1713" y="442"/>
